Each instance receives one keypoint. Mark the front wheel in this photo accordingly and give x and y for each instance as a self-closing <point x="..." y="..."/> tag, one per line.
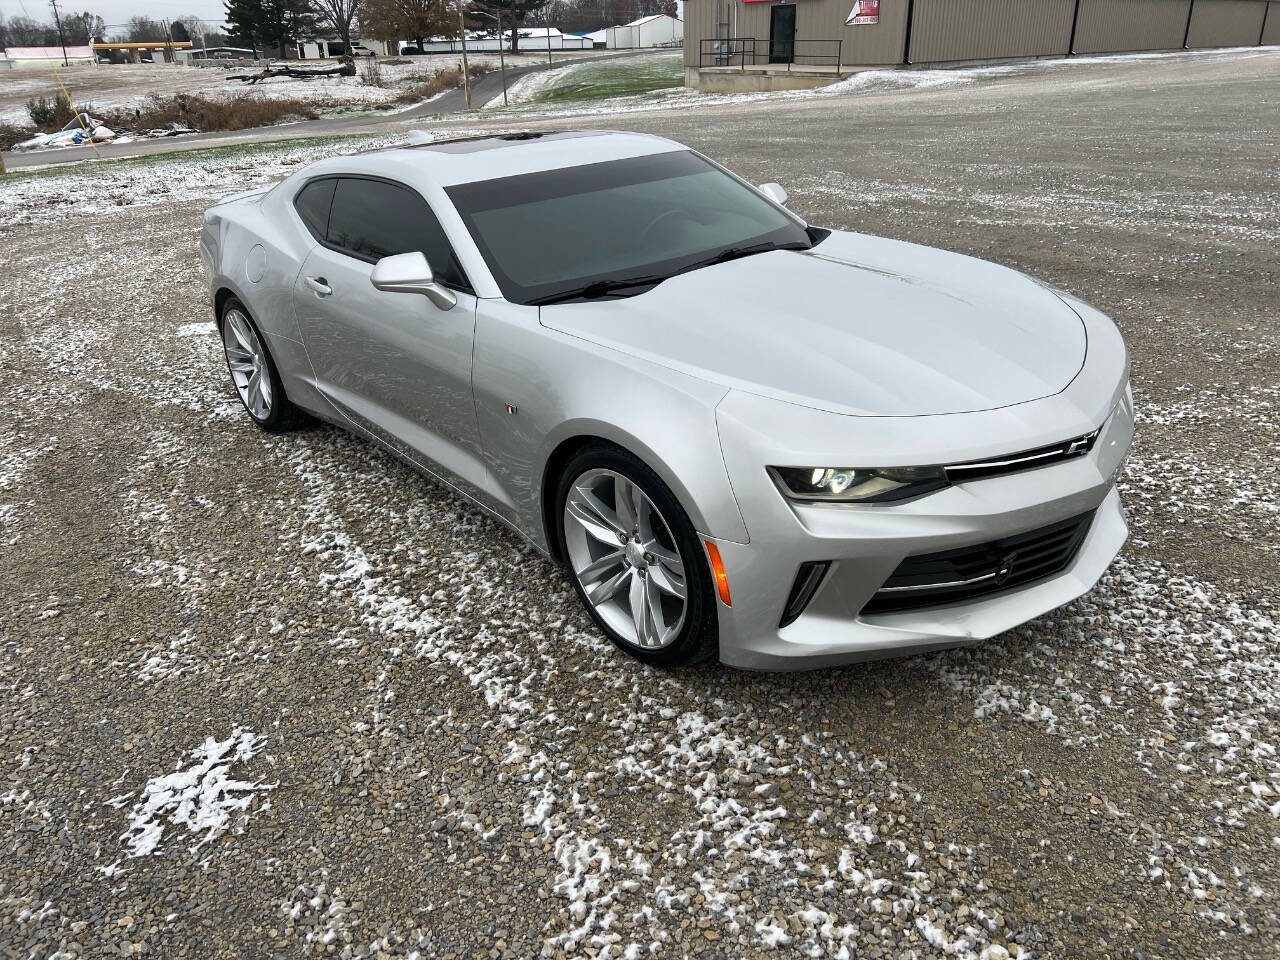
<point x="635" y="559"/>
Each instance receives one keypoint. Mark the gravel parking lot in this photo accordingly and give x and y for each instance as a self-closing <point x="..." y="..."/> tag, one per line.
<point x="278" y="696"/>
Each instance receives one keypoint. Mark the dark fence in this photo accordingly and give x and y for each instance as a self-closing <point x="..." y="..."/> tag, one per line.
<point x="746" y="52"/>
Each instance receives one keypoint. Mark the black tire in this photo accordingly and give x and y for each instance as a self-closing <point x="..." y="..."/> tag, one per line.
<point x="283" y="414"/>
<point x="698" y="638"/>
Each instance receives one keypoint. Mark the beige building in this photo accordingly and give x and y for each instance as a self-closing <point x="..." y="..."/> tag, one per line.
<point x="787" y="44"/>
<point x="156" y="51"/>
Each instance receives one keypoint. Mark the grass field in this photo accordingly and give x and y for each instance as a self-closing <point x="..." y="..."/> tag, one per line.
<point x="597" y="81"/>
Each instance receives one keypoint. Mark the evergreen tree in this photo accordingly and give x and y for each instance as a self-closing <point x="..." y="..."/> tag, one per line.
<point x="244" y="18"/>
<point x="275" y="23"/>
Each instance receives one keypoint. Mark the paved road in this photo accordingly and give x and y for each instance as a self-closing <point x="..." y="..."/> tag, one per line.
<point x="484" y="88"/>
<point x="398" y="734"/>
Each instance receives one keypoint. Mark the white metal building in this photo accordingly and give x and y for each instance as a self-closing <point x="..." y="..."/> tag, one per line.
<point x="658" y="30"/>
<point x="531" y="38"/>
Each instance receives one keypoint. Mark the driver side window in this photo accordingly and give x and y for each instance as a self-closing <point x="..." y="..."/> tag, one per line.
<point x="371" y="219"/>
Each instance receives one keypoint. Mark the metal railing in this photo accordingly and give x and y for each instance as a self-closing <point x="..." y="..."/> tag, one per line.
<point x="743" y="52"/>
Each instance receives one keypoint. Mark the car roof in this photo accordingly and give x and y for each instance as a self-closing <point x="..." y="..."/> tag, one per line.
<point x="471" y="159"/>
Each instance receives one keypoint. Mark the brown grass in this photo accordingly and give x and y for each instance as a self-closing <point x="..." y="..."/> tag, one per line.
<point x="207" y="114"/>
<point x="434" y="83"/>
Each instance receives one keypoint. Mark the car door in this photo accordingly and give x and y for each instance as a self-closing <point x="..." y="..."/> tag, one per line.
<point x="393" y="364"/>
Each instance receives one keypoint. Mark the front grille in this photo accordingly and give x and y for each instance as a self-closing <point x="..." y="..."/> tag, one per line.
<point x="1026" y="460"/>
<point x="983" y="570"/>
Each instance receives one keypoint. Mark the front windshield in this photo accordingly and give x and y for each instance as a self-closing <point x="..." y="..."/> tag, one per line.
<point x="546" y="235"/>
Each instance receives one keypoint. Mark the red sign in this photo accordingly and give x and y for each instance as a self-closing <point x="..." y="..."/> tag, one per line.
<point x="864" y="11"/>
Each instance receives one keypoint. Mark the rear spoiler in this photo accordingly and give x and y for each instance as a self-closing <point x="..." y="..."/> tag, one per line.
<point x="244" y="195"/>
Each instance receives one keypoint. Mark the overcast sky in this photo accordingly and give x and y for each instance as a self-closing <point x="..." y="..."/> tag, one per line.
<point x="116" y="11"/>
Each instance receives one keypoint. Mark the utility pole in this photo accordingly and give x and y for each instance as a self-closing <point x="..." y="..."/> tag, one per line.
<point x="466" y="69"/>
<point x="502" y="59"/>
<point x="57" y="18"/>
<point x="501" y="56"/>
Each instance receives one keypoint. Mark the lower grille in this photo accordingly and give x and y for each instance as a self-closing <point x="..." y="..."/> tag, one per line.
<point x="983" y="570"/>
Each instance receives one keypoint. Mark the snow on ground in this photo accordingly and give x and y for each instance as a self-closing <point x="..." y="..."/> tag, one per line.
<point x="525" y="93"/>
<point x="103" y="186"/>
<point x="125" y="86"/>
<point x="460" y="733"/>
<point x="204" y="799"/>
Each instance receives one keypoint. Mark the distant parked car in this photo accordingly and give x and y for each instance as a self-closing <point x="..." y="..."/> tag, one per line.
<point x="411" y="50"/>
<point x="742" y="435"/>
<point x="358" y="49"/>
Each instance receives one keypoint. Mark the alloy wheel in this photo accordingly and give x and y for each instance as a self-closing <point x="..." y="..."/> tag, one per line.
<point x="625" y="559"/>
<point x="247" y="361"/>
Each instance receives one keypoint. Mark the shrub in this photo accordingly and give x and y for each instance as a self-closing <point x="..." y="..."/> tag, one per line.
<point x="371" y="72"/>
<point x="10" y="134"/>
<point x="50" y="114"/>
<point x="239" y="113"/>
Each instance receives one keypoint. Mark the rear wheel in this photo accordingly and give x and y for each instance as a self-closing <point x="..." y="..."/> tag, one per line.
<point x="254" y="373"/>
<point x="636" y="562"/>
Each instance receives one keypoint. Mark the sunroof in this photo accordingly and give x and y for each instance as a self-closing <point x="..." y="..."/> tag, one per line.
<point x="497" y="141"/>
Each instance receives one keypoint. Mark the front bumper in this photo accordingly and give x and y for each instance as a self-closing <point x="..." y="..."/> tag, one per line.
<point x="866" y="543"/>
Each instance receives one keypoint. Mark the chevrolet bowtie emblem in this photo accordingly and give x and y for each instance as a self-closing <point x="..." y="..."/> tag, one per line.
<point x="1006" y="567"/>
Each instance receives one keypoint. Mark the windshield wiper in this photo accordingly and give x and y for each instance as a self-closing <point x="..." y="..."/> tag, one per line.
<point x="737" y="253"/>
<point x="599" y="288"/>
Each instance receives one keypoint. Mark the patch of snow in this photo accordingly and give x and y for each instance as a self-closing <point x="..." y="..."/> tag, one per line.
<point x="202" y="798"/>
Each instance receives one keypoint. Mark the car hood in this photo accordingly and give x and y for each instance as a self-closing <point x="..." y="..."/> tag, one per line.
<point x="858" y="325"/>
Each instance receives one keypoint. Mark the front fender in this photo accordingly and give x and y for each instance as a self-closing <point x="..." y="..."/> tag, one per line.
<point x="695" y="473"/>
<point x="562" y="387"/>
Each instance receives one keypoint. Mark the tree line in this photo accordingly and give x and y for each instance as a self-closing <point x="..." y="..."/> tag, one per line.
<point x="277" y="23"/>
<point x="280" y="24"/>
<point x="79" y="29"/>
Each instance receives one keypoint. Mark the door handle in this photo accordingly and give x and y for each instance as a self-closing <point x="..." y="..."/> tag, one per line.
<point x="319" y="286"/>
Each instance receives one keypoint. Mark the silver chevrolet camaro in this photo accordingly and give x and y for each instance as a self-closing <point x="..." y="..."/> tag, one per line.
<point x="744" y="436"/>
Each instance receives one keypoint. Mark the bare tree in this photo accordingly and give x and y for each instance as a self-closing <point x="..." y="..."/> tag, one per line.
<point x="338" y="14"/>
<point x="142" y="28"/>
<point x="393" y="20"/>
<point x="26" y="32"/>
<point x="202" y="33"/>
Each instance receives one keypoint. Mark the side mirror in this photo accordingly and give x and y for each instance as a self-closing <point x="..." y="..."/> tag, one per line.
<point x="775" y="193"/>
<point x="410" y="273"/>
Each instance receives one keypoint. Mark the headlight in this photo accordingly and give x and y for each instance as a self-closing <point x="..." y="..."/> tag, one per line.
<point x="857" y="484"/>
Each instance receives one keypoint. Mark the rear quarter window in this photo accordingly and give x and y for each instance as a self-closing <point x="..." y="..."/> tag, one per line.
<point x="313" y="203"/>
